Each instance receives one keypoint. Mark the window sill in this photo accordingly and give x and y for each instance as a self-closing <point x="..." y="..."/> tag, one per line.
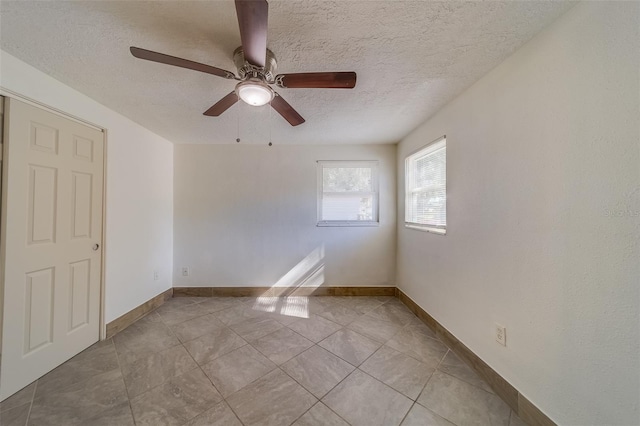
<point x="347" y="223"/>
<point x="438" y="231"/>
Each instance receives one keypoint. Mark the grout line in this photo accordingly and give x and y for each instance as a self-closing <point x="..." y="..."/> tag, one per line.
<point x="318" y="400"/>
<point x="330" y="409"/>
<point x="305" y="389"/>
<point x="431" y="376"/>
<point x="33" y="397"/>
<point x="201" y="370"/>
<point x="408" y="411"/>
<point x="126" y="389"/>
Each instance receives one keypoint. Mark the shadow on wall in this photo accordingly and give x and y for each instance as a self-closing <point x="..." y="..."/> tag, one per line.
<point x="289" y="295"/>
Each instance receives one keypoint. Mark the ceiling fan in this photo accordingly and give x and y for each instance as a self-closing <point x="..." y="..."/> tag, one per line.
<point x="256" y="68"/>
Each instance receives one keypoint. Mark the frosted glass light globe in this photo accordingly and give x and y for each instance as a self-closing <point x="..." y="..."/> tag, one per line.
<point x="255" y="93"/>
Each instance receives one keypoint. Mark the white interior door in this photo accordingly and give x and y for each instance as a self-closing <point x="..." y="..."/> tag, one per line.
<point x="52" y="228"/>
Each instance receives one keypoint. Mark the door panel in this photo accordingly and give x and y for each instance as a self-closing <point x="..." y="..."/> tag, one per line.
<point x="52" y="218"/>
<point x="79" y="294"/>
<point x="81" y="196"/>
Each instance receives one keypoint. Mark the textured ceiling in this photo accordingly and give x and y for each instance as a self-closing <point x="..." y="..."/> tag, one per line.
<point x="412" y="57"/>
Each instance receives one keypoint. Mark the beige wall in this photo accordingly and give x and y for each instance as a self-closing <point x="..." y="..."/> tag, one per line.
<point x="245" y="215"/>
<point x="543" y="169"/>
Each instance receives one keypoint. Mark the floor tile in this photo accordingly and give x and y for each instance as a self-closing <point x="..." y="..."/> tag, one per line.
<point x="176" y="401"/>
<point x="398" y="315"/>
<point x="172" y="315"/>
<point x="196" y="327"/>
<point x="363" y="401"/>
<point x="145" y="336"/>
<point x="462" y="403"/>
<point x="350" y="346"/>
<point x="374" y="328"/>
<point x="393" y="301"/>
<point x="120" y="415"/>
<point x="296" y="306"/>
<point x="15" y="416"/>
<point x="77" y="404"/>
<point x="219" y="415"/>
<point x="272" y="305"/>
<point x="315" y="328"/>
<point x="320" y="415"/>
<point x="340" y="314"/>
<point x="282" y="345"/>
<point x="152" y="370"/>
<point x="403" y="373"/>
<point x="318" y="370"/>
<point x="361" y="304"/>
<point x="430" y="351"/>
<point x="454" y="366"/>
<point x="329" y="300"/>
<point x="216" y="304"/>
<point x="179" y="301"/>
<point x="255" y="328"/>
<point x="420" y="416"/>
<point x="275" y="399"/>
<point x="98" y="358"/>
<point x="23" y="396"/>
<point x="237" y="314"/>
<point x="417" y="327"/>
<point x="235" y="370"/>
<point x="285" y="310"/>
<point x="318" y="304"/>
<point x="206" y="348"/>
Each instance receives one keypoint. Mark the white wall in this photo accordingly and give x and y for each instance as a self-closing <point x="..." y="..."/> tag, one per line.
<point x="139" y="176"/>
<point x="543" y="217"/>
<point x="245" y="215"/>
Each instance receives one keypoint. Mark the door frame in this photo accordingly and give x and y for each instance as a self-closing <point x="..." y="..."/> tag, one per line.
<point x="3" y="208"/>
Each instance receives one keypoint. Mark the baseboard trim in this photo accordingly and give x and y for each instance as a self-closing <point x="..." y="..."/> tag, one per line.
<point x="525" y="409"/>
<point x="124" y="321"/>
<point x="281" y="291"/>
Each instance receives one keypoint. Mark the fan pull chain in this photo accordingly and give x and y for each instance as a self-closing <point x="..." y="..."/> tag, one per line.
<point x="238" y="125"/>
<point x="270" y="144"/>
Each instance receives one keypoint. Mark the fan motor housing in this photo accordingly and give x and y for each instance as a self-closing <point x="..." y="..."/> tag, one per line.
<point x="246" y="70"/>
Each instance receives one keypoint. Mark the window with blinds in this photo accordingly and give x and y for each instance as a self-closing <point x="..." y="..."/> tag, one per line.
<point x="426" y="188"/>
<point x="347" y="193"/>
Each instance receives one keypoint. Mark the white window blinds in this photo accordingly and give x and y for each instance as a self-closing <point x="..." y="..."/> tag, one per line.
<point x="426" y="187"/>
<point x="347" y="193"/>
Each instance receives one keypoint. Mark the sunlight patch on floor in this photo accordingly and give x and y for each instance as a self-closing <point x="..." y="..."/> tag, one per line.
<point x="280" y="298"/>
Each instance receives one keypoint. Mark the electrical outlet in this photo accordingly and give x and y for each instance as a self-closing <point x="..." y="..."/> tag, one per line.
<point x="156" y="275"/>
<point x="185" y="271"/>
<point x="501" y="334"/>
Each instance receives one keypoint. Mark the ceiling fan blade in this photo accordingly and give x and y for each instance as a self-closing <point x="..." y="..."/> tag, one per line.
<point x="222" y="105"/>
<point x="285" y="110"/>
<point x="319" y="80"/>
<point x="252" y="19"/>
<point x="179" y="62"/>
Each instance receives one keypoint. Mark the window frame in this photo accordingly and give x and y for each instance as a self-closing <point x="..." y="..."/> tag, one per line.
<point x="375" y="193"/>
<point x="409" y="165"/>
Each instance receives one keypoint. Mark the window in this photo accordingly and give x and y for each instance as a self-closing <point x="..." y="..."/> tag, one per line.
<point x="426" y="188"/>
<point x="347" y="193"/>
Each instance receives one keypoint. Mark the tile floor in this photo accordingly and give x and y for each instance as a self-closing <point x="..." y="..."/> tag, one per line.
<point x="264" y="361"/>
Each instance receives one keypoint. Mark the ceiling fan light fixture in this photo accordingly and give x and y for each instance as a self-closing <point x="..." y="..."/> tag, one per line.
<point x="254" y="92"/>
